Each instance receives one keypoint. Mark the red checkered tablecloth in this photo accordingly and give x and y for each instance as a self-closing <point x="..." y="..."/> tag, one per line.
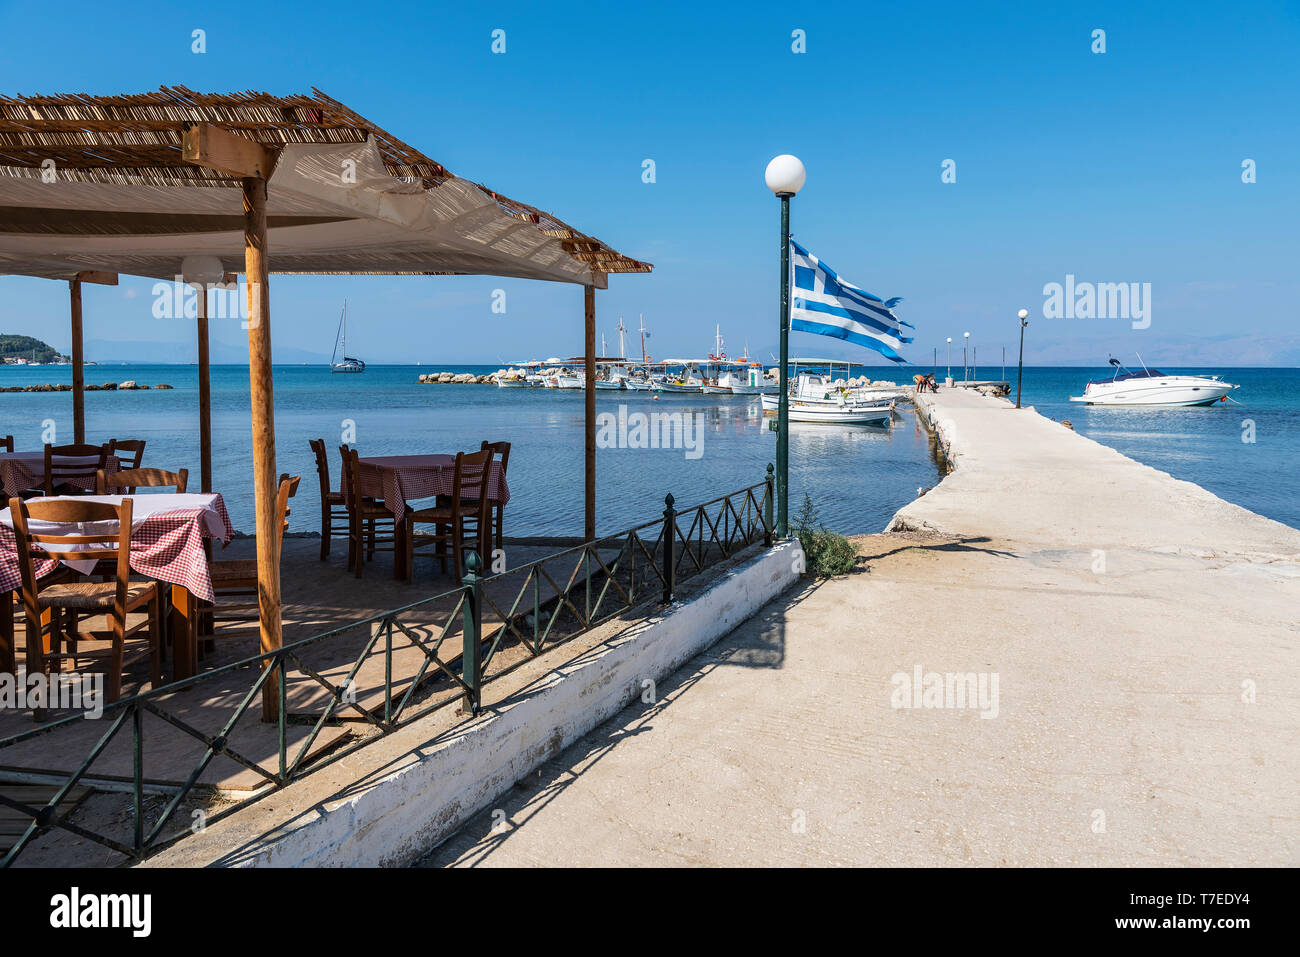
<point x="399" y="479"/>
<point x="167" y="533"/>
<point x="20" y="471"/>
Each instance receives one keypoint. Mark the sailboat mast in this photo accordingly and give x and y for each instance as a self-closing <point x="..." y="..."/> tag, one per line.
<point x="642" y="318"/>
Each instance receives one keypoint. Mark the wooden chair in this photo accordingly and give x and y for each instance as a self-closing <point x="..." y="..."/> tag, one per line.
<point x="6" y="443"/>
<point x="237" y="578"/>
<point x="134" y="446"/>
<point x="126" y="482"/>
<point x="333" y="510"/>
<point x="497" y="509"/>
<point x="62" y="476"/>
<point x="54" y="612"/>
<point x="366" y="517"/>
<point x="465" y="512"/>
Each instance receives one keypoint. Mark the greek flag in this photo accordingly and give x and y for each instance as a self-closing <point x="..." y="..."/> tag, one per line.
<point x="824" y="304"/>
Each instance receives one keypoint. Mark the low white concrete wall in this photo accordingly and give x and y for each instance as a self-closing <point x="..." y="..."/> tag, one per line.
<point x="407" y="793"/>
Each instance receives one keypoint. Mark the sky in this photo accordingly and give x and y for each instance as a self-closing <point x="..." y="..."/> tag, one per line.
<point x="1122" y="166"/>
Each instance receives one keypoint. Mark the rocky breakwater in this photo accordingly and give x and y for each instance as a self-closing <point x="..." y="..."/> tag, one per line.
<point x="130" y="385"/>
<point x="457" y="378"/>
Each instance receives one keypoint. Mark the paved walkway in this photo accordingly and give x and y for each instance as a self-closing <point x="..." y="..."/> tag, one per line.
<point x="1143" y="639"/>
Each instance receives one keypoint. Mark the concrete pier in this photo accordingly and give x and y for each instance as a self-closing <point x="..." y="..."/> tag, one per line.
<point x="1137" y="642"/>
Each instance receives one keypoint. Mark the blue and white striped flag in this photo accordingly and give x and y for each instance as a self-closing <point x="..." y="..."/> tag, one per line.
<point x="824" y="304"/>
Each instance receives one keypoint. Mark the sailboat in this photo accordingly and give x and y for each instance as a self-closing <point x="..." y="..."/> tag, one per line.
<point x="348" y="364"/>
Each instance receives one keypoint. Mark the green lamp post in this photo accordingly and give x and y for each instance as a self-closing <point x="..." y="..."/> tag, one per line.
<point x="784" y="176"/>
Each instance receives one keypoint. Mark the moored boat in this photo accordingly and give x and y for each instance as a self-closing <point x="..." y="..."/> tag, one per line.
<point x="1151" y="387"/>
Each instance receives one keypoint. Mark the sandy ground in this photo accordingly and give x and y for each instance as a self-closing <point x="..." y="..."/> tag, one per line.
<point x="1142" y="636"/>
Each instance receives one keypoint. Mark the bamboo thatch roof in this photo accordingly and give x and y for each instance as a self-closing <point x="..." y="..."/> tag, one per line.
<point x="137" y="138"/>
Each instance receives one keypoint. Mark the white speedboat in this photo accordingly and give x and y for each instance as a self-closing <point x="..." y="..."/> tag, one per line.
<point x="1151" y="387"/>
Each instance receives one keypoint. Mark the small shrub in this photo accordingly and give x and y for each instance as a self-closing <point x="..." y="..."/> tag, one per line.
<point x="826" y="553"/>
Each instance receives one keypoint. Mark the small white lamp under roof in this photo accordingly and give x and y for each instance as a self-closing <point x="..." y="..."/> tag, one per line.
<point x="202" y="270"/>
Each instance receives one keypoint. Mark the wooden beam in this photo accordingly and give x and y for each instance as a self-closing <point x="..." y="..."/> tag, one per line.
<point x="78" y="368"/>
<point x="205" y="393"/>
<point x="261" y="398"/>
<point x="210" y="146"/>
<point x="589" y="353"/>
<point x="97" y="277"/>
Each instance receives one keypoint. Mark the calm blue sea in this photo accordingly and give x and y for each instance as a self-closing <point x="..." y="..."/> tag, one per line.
<point x="857" y="476"/>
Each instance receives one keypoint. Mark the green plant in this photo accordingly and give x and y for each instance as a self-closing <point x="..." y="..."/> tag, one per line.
<point x="826" y="553"/>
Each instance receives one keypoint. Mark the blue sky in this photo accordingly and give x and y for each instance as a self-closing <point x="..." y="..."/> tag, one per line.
<point x="1123" y="166"/>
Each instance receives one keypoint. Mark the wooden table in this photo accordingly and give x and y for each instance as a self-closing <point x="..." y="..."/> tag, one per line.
<point x="398" y="479"/>
<point x="20" y="471"/>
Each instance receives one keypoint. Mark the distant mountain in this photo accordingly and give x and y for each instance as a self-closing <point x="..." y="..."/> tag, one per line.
<point x="184" y="352"/>
<point x="26" y="347"/>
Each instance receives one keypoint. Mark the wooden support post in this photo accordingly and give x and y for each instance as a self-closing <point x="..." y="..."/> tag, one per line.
<point x="78" y="368"/>
<point x="205" y="392"/>
<point x="263" y="420"/>
<point x="589" y="311"/>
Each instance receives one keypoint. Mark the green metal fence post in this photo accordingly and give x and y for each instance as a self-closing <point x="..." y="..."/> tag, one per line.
<point x="670" y="536"/>
<point x="472" y="629"/>
<point x="768" y="496"/>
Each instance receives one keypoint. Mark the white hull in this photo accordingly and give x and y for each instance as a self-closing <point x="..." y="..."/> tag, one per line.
<point x="753" y="389"/>
<point x="615" y="385"/>
<point x="637" y="385"/>
<point x="1168" y="392"/>
<point x="859" y="415"/>
<point x="718" y="390"/>
<point x="513" y="383"/>
<point x="772" y="402"/>
<point x="665" y="386"/>
<point x="568" y="382"/>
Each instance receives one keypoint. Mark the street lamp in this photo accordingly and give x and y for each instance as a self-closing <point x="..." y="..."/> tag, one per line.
<point x="1020" y="366"/>
<point x="950" y="357"/>
<point x="965" y="359"/>
<point x="784" y="176"/>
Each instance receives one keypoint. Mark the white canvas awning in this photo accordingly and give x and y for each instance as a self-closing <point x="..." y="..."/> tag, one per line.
<point x="331" y="208"/>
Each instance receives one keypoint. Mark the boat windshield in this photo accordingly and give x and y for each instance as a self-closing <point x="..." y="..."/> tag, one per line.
<point x="1144" y="374"/>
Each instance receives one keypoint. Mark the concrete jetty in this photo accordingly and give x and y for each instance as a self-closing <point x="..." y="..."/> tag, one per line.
<point x="1135" y="658"/>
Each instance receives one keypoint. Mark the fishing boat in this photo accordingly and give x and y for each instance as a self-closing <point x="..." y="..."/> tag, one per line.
<point x="566" y="378"/>
<point x="812" y="400"/>
<point x="1151" y="387"/>
<point x="512" y="379"/>
<point x="637" y="379"/>
<point x="846" y="415"/>
<point x="815" y="390"/>
<point x="688" y="380"/>
<point x="349" y="364"/>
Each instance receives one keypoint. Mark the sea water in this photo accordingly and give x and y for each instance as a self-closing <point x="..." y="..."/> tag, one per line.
<point x="857" y="476"/>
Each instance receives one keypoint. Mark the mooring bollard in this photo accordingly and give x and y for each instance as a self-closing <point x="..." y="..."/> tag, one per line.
<point x="472" y="631"/>
<point x="670" y="537"/>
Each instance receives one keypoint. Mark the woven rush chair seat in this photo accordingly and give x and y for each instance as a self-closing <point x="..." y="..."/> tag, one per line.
<point x="53" y="608"/>
<point x="95" y="596"/>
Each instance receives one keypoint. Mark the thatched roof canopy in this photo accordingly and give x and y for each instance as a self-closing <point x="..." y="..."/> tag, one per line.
<point x="102" y="183"/>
